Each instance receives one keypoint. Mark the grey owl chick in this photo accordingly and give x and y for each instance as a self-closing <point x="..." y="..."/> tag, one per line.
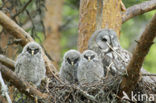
<point x="68" y="70"/>
<point x="90" y="69"/>
<point x="30" y="64"/>
<point x="106" y="44"/>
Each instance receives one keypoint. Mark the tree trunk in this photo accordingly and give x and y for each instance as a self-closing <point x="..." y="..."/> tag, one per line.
<point x="87" y="24"/>
<point x="52" y="23"/>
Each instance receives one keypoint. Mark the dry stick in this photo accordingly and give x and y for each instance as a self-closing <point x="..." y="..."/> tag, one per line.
<point x="7" y="62"/>
<point x="84" y="93"/>
<point x="4" y="89"/>
<point x="21" y="84"/>
<point x="133" y="69"/>
<point x="138" y="10"/>
<point x="24" y="7"/>
<point x="19" y="33"/>
<point x="148" y="74"/>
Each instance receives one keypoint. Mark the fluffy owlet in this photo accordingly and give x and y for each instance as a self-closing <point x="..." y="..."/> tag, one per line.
<point x="68" y="70"/>
<point x="30" y="64"/>
<point x="90" y="68"/>
<point x="106" y="44"/>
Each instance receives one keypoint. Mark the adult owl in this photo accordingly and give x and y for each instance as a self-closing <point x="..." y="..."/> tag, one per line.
<point x="68" y="70"/>
<point x="90" y="69"/>
<point x="106" y="44"/>
<point x="30" y="64"/>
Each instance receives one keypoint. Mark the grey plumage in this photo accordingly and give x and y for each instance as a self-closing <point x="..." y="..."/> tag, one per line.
<point x="30" y="64"/>
<point x="90" y="69"/>
<point x="68" y="70"/>
<point x="106" y="44"/>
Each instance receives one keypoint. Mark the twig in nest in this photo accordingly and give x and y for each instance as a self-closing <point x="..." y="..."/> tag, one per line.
<point x="115" y="51"/>
<point x="84" y="93"/>
<point x="4" y="89"/>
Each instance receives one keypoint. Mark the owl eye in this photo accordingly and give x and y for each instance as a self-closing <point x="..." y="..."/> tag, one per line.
<point x="92" y="57"/>
<point x="68" y="60"/>
<point x="85" y="57"/>
<point x="75" y="61"/>
<point x="36" y="51"/>
<point x="29" y="50"/>
<point x="104" y="39"/>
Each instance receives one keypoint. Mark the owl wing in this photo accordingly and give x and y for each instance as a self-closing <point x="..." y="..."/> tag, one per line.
<point x="18" y="63"/>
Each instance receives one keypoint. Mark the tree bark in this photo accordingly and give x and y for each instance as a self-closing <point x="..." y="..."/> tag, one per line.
<point x="87" y="23"/>
<point x="133" y="69"/>
<point x="52" y="21"/>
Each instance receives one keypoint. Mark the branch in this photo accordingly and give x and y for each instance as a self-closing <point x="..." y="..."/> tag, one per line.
<point x="20" y="83"/>
<point x="20" y="11"/>
<point x="138" y="9"/>
<point x="7" y="62"/>
<point x="19" y="33"/>
<point x="84" y="93"/>
<point x="133" y="69"/>
<point x="4" y="89"/>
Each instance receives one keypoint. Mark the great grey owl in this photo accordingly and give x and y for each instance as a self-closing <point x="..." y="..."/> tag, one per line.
<point x="30" y="64"/>
<point x="106" y="44"/>
<point x="68" y="70"/>
<point x="90" y="69"/>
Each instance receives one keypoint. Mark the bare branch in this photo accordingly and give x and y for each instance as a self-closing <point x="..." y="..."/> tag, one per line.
<point x="133" y="69"/>
<point x="148" y="74"/>
<point x="138" y="10"/>
<point x="19" y="33"/>
<point x="20" y="11"/>
<point x="21" y="84"/>
<point x="7" y="62"/>
<point x="4" y="89"/>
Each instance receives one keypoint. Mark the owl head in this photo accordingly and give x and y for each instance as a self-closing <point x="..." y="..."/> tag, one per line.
<point x="32" y="49"/>
<point x="101" y="38"/>
<point x="89" y="55"/>
<point x="72" y="57"/>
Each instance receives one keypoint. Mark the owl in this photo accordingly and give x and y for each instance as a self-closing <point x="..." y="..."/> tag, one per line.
<point x="68" y="70"/>
<point x="106" y="44"/>
<point x="90" y="69"/>
<point x="30" y="64"/>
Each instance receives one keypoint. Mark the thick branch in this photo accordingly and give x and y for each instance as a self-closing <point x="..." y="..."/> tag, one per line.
<point x="19" y="33"/>
<point x="138" y="10"/>
<point x="7" y="62"/>
<point x="133" y="69"/>
<point x="21" y="84"/>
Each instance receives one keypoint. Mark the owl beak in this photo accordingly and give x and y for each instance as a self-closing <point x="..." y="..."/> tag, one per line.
<point x="88" y="58"/>
<point x="32" y="52"/>
<point x="72" y="63"/>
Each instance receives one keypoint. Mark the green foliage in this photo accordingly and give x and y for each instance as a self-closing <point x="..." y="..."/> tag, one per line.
<point x="131" y="31"/>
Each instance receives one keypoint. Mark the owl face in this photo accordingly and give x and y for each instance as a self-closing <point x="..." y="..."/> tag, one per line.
<point x="105" y="37"/>
<point x="32" y="49"/>
<point x="72" y="58"/>
<point x="89" y="55"/>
